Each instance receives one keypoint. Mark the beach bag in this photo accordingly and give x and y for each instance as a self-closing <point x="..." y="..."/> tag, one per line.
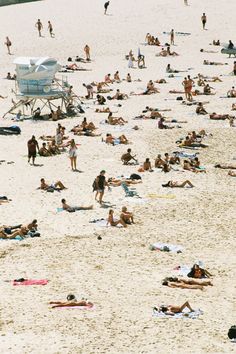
<point x="232" y="332"/>
<point x="135" y="176"/>
<point x="94" y="185"/>
<point x="179" y="98"/>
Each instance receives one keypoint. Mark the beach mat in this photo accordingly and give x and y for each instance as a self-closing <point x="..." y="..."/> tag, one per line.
<point x="192" y="315"/>
<point x="30" y="282"/>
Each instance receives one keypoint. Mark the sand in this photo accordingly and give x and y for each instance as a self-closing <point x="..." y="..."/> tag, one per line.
<point x="119" y="273"/>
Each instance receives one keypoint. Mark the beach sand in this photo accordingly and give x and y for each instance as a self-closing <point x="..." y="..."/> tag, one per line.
<point x="119" y="273"/>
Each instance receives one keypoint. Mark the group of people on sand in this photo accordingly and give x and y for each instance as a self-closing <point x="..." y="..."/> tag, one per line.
<point x="22" y="231"/>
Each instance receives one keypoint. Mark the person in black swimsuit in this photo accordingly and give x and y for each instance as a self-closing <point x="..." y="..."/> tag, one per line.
<point x="106" y="6"/>
<point x="99" y="186"/>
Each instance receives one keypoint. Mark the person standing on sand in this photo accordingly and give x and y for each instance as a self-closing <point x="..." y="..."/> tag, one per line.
<point x="33" y="146"/>
<point x="39" y="27"/>
<point x="99" y="186"/>
<point x="172" y="37"/>
<point x="106" y="6"/>
<point x="87" y="52"/>
<point x="8" y="44"/>
<point x="50" y="29"/>
<point x="204" y="20"/>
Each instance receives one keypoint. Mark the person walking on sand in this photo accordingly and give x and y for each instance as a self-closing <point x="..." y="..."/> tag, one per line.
<point x="106" y="6"/>
<point x="172" y="37"/>
<point x="204" y="20"/>
<point x="39" y="27"/>
<point x="33" y="146"/>
<point x="87" y="52"/>
<point x="50" y="29"/>
<point x="8" y="44"/>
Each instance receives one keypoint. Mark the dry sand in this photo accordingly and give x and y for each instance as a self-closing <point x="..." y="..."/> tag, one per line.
<point x="119" y="273"/>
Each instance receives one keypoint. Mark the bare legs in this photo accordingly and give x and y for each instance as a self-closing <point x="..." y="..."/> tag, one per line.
<point x="73" y="163"/>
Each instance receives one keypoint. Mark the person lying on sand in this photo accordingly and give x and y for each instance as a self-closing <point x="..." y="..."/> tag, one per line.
<point x="174" y="184"/>
<point x="193" y="166"/>
<point x="126" y="216"/>
<point x="22" y="232"/>
<point x="102" y="110"/>
<point x="207" y="62"/>
<point x="160" y="81"/>
<point x="71" y="209"/>
<point x="112" y="222"/>
<point x="186" y="283"/>
<point x="115" y="120"/>
<point x="84" y="126"/>
<point x="87" y="132"/>
<point x="127" y="157"/>
<point x="200" y="109"/>
<point x="232" y="173"/>
<point x="216" y="116"/>
<point x="112" y="140"/>
<point x="198" y="272"/>
<point x="150" y="109"/>
<point x="171" y="310"/>
<point x="4" y="199"/>
<point x="225" y="166"/>
<point x="58" y="186"/>
<point x="191" y="143"/>
<point x="116" y="182"/>
<point x="119" y="96"/>
<point x="208" y="51"/>
<point x="151" y="89"/>
<point x="71" y="302"/>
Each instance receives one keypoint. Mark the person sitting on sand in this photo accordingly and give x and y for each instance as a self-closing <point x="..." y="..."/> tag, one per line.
<point x="174" y="184"/>
<point x="171" y="53"/>
<point x="58" y="186"/>
<point x="198" y="273"/>
<point x="232" y="173"/>
<point x="171" y="310"/>
<point x="173" y="160"/>
<point x="128" y="78"/>
<point x="186" y="283"/>
<point x="71" y="302"/>
<point x="117" y="77"/>
<point x="127" y="157"/>
<point x="200" y="109"/>
<point x="126" y="216"/>
<point x="115" y="120"/>
<point x="207" y="90"/>
<point x="232" y="92"/>
<point x="111" y="140"/>
<point x="216" y="42"/>
<point x="113" y="222"/>
<point x="159" y="162"/>
<point x="233" y="107"/>
<point x="166" y="167"/>
<point x="70" y="209"/>
<point x="161" y="124"/>
<point x="147" y="165"/>
<point x="101" y="100"/>
<point x="43" y="151"/>
<point x="108" y="79"/>
<point x="53" y="148"/>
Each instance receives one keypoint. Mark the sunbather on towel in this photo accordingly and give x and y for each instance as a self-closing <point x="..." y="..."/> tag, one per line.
<point x="197" y="272"/>
<point x="116" y="182"/>
<point x="174" y="184"/>
<point x="71" y="302"/>
<point x="173" y="309"/>
<point x="186" y="283"/>
<point x="71" y="209"/>
<point x="22" y="232"/>
<point x="113" y="222"/>
<point x="58" y="186"/>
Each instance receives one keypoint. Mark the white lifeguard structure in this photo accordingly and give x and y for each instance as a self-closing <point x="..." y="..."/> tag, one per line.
<point x="35" y="81"/>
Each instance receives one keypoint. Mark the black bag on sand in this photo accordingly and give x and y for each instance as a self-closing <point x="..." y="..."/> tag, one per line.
<point x="232" y="332"/>
<point x="135" y="176"/>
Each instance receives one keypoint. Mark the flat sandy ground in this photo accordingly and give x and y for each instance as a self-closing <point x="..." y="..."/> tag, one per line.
<point x="119" y="273"/>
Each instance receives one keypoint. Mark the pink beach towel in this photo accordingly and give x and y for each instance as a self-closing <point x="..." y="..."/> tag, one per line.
<point x="30" y="282"/>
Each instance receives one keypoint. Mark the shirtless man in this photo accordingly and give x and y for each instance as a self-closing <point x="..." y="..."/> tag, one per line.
<point x="39" y="27"/>
<point x="59" y="186"/>
<point x="50" y="29"/>
<point x="43" y="151"/>
<point x="106" y="6"/>
<point x="127" y="157"/>
<point x="71" y="209"/>
<point x="159" y="162"/>
<point x="32" y="149"/>
<point x="126" y="216"/>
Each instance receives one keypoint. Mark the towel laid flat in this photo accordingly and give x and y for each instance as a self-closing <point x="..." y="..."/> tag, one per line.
<point x="166" y="247"/>
<point x="192" y="315"/>
<point x="30" y="282"/>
